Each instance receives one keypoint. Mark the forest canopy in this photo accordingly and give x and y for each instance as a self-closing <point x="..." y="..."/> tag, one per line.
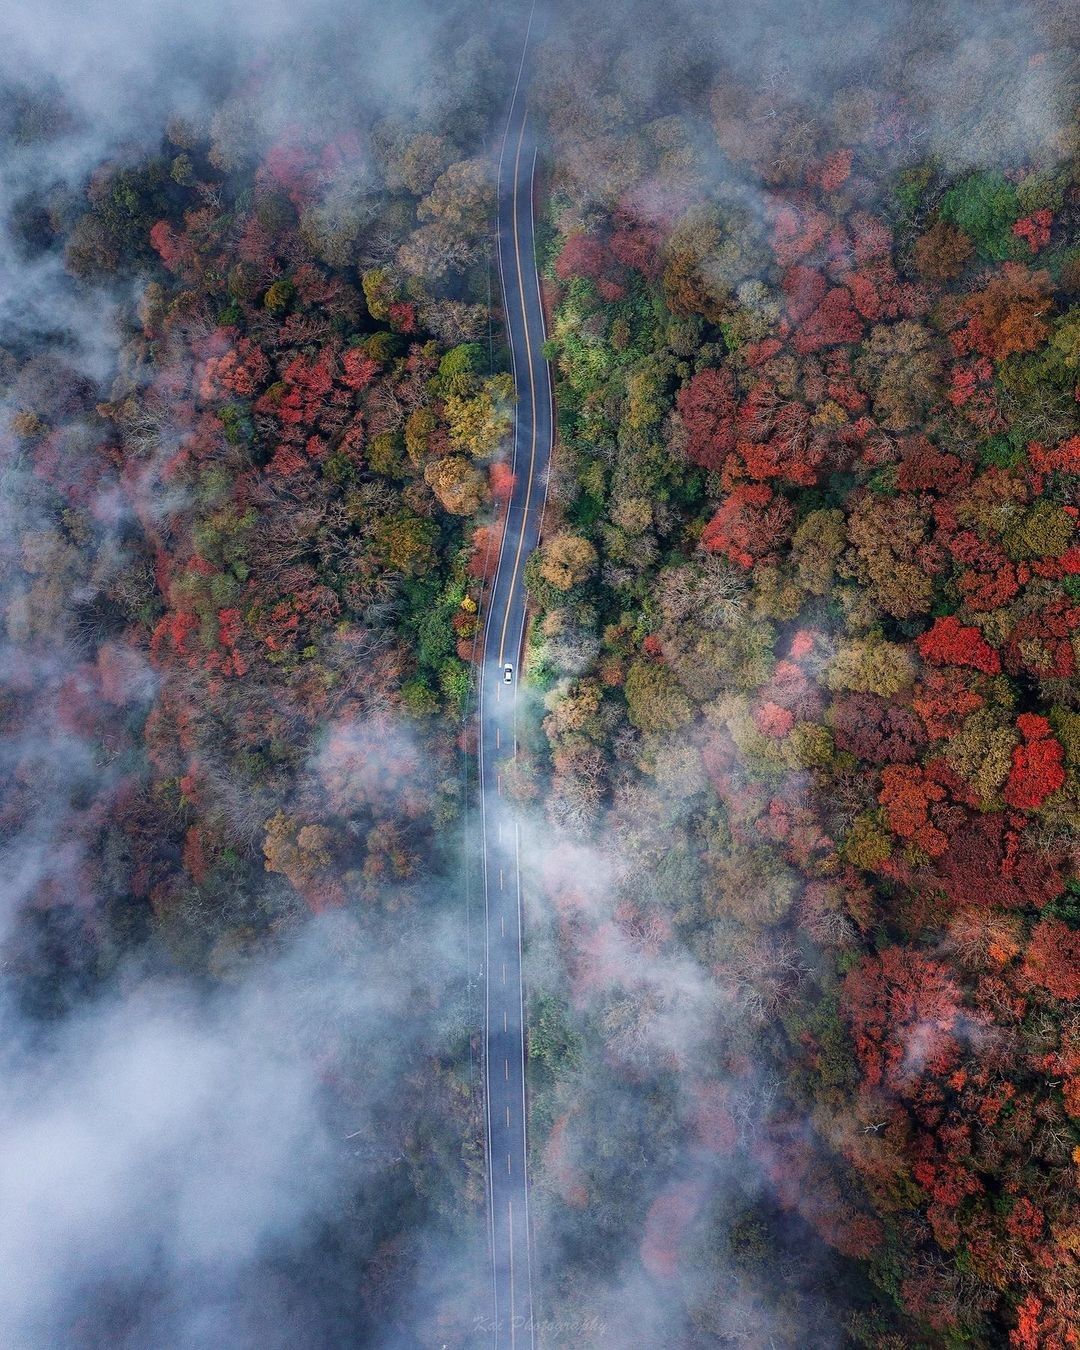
<point x="798" y="733"/>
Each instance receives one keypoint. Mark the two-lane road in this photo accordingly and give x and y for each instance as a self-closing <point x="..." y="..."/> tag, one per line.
<point x="504" y="1021"/>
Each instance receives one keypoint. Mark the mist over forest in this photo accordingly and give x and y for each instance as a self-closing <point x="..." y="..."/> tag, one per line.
<point x="798" y="720"/>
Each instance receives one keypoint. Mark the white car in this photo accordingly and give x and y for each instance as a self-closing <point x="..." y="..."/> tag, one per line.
<point x="508" y="673"/>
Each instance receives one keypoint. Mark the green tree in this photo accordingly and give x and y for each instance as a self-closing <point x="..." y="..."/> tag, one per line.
<point x="478" y="425"/>
<point x="654" y="701"/>
<point x="984" y="206"/>
<point x="870" y="665"/>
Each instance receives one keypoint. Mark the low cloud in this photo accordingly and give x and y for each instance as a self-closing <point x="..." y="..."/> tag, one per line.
<point x="163" y="1150"/>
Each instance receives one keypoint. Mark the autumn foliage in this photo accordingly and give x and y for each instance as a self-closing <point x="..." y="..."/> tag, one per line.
<point x="825" y="449"/>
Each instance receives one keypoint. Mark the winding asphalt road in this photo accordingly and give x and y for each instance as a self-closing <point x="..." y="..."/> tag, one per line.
<point x="504" y="1020"/>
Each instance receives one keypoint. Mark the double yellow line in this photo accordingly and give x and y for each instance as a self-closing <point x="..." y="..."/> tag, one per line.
<point x="532" y="394"/>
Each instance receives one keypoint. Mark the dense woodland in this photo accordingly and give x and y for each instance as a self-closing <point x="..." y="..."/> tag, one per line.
<point x="238" y="613"/>
<point x="806" y="619"/>
<point x="805" y="926"/>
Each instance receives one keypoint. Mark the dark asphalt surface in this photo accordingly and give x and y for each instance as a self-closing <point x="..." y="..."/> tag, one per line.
<point x="504" y="1064"/>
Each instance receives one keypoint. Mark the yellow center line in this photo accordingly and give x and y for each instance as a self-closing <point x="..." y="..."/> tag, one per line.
<point x="532" y="393"/>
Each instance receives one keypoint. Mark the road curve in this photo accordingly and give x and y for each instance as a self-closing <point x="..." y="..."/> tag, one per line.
<point x="504" y="628"/>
